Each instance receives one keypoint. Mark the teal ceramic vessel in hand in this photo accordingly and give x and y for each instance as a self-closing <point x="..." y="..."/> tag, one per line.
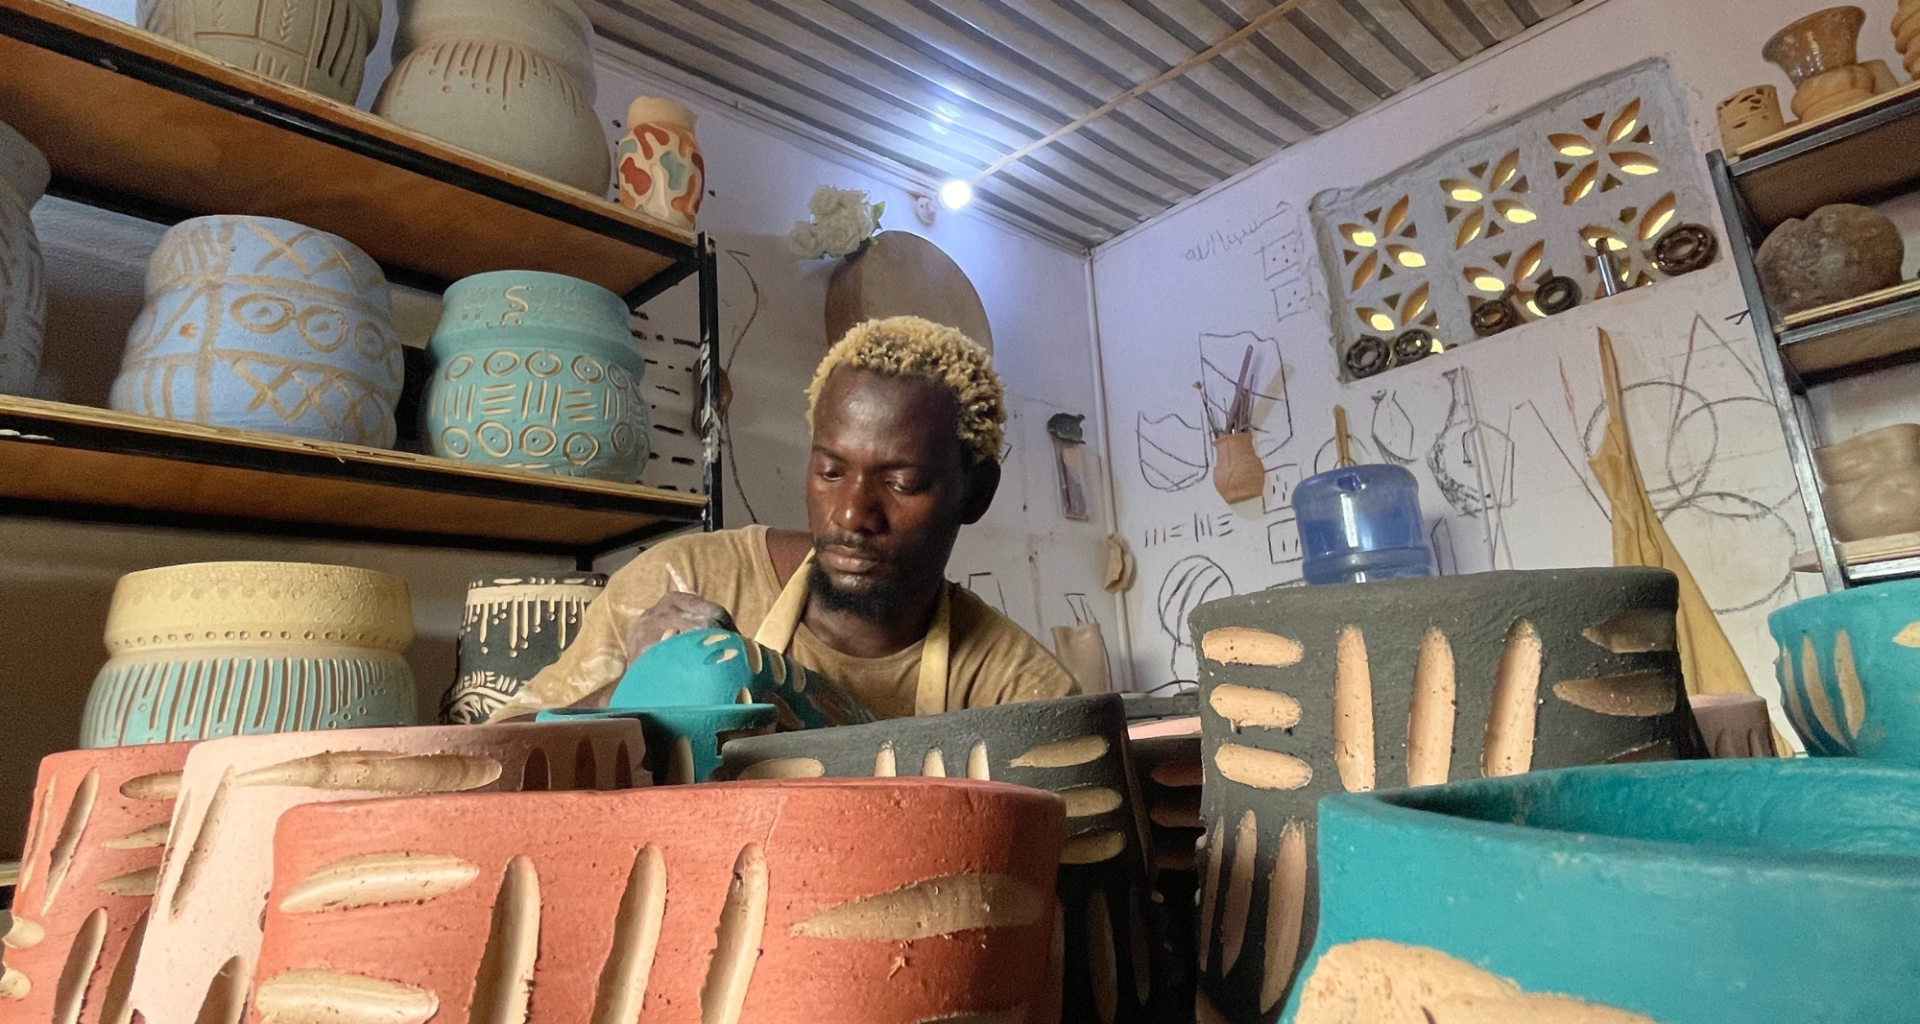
<point x="1849" y="669"/>
<point x="717" y="666"/>
<point x="1691" y="892"/>
<point x="539" y="372"/>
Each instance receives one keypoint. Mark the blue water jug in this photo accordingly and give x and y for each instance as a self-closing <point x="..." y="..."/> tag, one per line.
<point x="1361" y="523"/>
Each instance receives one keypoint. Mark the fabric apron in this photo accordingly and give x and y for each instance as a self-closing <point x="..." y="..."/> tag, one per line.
<point x="930" y="691"/>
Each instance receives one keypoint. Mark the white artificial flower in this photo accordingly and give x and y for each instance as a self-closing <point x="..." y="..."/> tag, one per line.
<point x="803" y="241"/>
<point x="842" y="222"/>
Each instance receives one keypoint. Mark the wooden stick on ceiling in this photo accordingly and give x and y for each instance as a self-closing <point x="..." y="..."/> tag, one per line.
<point x="1239" y="36"/>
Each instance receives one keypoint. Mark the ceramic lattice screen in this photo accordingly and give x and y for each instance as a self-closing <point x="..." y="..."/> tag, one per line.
<point x="1493" y="214"/>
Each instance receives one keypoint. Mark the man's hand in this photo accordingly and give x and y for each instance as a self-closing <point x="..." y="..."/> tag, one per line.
<point x="675" y="613"/>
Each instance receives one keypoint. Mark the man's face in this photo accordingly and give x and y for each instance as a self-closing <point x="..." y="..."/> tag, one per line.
<point x="888" y="487"/>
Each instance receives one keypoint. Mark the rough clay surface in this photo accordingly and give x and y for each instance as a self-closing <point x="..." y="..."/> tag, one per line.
<point x="1838" y="252"/>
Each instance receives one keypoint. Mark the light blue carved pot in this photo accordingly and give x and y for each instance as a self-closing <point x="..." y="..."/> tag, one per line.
<point x="213" y="649"/>
<point x="1692" y="892"/>
<point x="537" y="371"/>
<point x="1849" y="670"/>
<point x="264" y="324"/>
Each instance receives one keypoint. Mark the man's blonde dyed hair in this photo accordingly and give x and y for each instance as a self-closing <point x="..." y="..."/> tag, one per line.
<point x="909" y="346"/>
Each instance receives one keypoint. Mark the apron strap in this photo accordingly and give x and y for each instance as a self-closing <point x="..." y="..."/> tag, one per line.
<point x="930" y="689"/>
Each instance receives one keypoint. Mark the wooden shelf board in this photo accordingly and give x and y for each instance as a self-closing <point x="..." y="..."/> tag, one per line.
<point x="123" y="112"/>
<point x="1871" y="560"/>
<point x="65" y="458"/>
<point x="1879" y="327"/>
<point x="1864" y="154"/>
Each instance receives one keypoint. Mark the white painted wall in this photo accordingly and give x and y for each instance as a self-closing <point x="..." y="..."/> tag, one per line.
<point x="1716" y="457"/>
<point x="55" y="579"/>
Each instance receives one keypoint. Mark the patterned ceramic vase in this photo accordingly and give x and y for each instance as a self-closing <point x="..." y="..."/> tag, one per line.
<point x="537" y="371"/>
<point x="661" y="171"/>
<point x="266" y="325"/>
<point x="319" y="45"/>
<point x="508" y="79"/>
<point x="514" y="627"/>
<point x="227" y="648"/>
<point x="23" y="290"/>
<point x="1849" y="671"/>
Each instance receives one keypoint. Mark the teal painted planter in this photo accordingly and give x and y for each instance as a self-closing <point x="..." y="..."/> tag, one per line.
<point x="165" y="700"/>
<point x="537" y="371"/>
<point x="1758" y="891"/>
<point x="1849" y="670"/>
<point x="713" y="666"/>
<point x="683" y="743"/>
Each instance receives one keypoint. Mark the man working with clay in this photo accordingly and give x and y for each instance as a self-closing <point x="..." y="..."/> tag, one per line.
<point x="907" y="419"/>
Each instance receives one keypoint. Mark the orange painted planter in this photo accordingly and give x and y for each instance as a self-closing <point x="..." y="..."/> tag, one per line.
<point x="852" y="901"/>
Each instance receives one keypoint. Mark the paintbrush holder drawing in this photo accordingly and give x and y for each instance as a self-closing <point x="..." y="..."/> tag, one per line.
<point x="1237" y="472"/>
<point x="1076" y="747"/>
<point x="204" y="932"/>
<point x="850" y="901"/>
<point x="94" y="843"/>
<point x="1310" y="691"/>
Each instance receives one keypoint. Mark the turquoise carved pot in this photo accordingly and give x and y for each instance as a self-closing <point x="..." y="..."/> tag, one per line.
<point x="212" y="649"/>
<point x="264" y="324"/>
<point x="718" y="666"/>
<point x="539" y="372"/>
<point x="683" y="743"/>
<point x="1849" y="670"/>
<point x="1702" y="892"/>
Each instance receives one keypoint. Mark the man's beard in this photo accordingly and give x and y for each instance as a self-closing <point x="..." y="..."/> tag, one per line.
<point x="872" y="604"/>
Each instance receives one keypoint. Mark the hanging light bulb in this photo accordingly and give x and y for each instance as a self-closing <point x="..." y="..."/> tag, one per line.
<point x="956" y="193"/>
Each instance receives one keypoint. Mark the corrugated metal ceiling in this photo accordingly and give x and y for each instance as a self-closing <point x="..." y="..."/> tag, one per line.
<point x="948" y="88"/>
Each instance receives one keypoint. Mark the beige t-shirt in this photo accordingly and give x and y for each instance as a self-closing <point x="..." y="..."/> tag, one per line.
<point x="990" y="661"/>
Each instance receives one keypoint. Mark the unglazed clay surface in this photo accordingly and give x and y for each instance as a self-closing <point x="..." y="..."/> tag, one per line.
<point x="23" y="287"/>
<point x="212" y="649"/>
<point x="1555" y="898"/>
<point x="87" y="875"/>
<point x="769" y="903"/>
<point x="1836" y="253"/>
<point x="1403" y="682"/>
<point x="1107" y="948"/>
<point x="317" y="44"/>
<point x="205" y="929"/>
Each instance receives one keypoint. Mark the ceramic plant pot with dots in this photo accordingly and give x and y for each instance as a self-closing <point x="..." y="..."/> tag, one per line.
<point x="1849" y="670"/>
<point x="1559" y="897"/>
<point x="537" y="371"/>
<point x="211" y="649"/>
<point x="508" y="79"/>
<point x="514" y="626"/>
<point x="95" y="836"/>
<point x="319" y="45"/>
<point x="1310" y="691"/>
<point x="1107" y="948"/>
<point x="268" y="325"/>
<point x="851" y="901"/>
<point x="204" y="937"/>
<point x="23" y="286"/>
<point x="660" y="170"/>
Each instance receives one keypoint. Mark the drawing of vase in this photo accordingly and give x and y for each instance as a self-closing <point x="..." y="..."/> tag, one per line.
<point x="539" y="372"/>
<point x="507" y="79"/>
<point x="213" y="649"/>
<point x="660" y="169"/>
<point x="514" y="627"/>
<point x="264" y="324"/>
<point x="319" y="45"/>
<point x="1473" y="479"/>
<point x="23" y="289"/>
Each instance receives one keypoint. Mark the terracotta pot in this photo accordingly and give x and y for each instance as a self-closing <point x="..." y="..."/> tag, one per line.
<point x="658" y="164"/>
<point x="23" y="290"/>
<point x="1838" y="252"/>
<point x="212" y="649"/>
<point x="508" y="79"/>
<point x="319" y="45"/>
<point x="1733" y="724"/>
<point x="1237" y="472"/>
<point x="1309" y="691"/>
<point x="1108" y="969"/>
<point x="202" y="944"/>
<point x="1748" y="116"/>
<point x="1872" y="483"/>
<point x="514" y="626"/>
<point x="1849" y="670"/>
<point x="1556" y="897"/>
<point x="856" y="902"/>
<point x="1906" y="34"/>
<point x="1817" y="43"/>
<point x="264" y="324"/>
<point x="94" y="842"/>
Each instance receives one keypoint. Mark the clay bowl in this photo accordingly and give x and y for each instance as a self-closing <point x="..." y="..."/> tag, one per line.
<point x="710" y="667"/>
<point x="1759" y="891"/>
<point x="1817" y="43"/>
<point x="1849" y="671"/>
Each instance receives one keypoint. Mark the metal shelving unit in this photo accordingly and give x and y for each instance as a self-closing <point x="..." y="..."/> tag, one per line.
<point x="137" y="124"/>
<point x="1866" y="155"/>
